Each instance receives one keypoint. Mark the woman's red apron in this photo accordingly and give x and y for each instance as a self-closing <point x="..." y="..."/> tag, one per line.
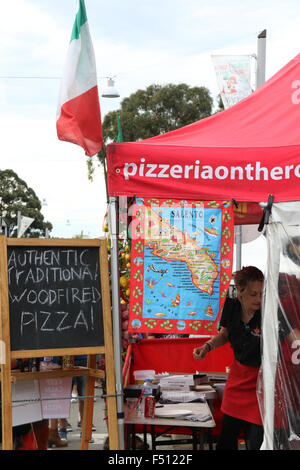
<point x="239" y="399"/>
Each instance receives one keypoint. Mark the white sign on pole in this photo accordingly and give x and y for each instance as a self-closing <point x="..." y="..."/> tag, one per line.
<point x="25" y="222"/>
<point x="233" y="75"/>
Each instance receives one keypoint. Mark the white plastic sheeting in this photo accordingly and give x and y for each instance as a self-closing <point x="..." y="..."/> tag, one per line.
<point x="278" y="387"/>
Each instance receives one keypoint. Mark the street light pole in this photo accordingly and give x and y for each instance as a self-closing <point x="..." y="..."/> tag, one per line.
<point x="261" y="58"/>
<point x="259" y="80"/>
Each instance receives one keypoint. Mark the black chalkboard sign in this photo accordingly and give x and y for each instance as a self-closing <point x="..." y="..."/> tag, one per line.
<point x="55" y="298"/>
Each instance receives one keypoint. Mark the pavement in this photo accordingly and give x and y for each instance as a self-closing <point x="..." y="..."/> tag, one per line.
<point x="99" y="436"/>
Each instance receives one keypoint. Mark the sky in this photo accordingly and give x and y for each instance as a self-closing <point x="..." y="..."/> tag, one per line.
<point x="139" y="43"/>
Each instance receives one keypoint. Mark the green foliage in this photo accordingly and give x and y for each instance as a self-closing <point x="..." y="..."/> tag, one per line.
<point x="16" y="196"/>
<point x="151" y="112"/>
<point x="220" y="103"/>
<point x="156" y="110"/>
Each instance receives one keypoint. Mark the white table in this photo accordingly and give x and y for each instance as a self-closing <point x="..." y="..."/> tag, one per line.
<point x="196" y="427"/>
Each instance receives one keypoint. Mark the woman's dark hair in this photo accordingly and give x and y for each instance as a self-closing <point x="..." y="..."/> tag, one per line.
<point x="245" y="275"/>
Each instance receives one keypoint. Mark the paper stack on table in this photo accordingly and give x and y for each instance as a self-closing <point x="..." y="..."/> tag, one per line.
<point x="176" y="382"/>
<point x="176" y="389"/>
<point x="181" y="396"/>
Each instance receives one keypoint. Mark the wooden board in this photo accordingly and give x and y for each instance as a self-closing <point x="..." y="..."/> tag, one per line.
<point x="7" y="440"/>
<point x="41" y="281"/>
<point x="55" y="299"/>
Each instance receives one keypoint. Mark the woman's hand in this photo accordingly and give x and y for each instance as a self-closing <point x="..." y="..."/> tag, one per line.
<point x="216" y="341"/>
<point x="201" y="353"/>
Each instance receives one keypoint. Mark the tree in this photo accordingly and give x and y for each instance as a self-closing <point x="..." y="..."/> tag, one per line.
<point x="16" y="196"/>
<point x="220" y="103"/>
<point x="156" y="110"/>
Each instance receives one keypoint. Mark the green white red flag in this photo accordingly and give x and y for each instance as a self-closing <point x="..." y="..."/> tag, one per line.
<point x="78" y="112"/>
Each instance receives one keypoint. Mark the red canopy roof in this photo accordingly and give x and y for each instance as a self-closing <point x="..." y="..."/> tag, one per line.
<point x="246" y="152"/>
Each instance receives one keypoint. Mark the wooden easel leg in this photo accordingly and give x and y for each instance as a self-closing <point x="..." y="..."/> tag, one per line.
<point x="7" y="438"/>
<point x="112" y="421"/>
<point x="88" y="410"/>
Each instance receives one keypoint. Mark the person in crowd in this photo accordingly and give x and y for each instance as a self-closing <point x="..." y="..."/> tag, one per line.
<point x="240" y="325"/>
<point x="80" y="381"/>
<point x="54" y="438"/>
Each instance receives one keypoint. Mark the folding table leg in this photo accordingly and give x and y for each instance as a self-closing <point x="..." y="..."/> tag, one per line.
<point x="153" y="438"/>
<point x="145" y="436"/>
<point x="201" y="439"/>
<point x="133" y="437"/>
<point x="209" y="439"/>
<point x="128" y="435"/>
<point x="195" y="438"/>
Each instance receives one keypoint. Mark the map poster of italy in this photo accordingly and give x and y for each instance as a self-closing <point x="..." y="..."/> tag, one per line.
<point x="181" y="265"/>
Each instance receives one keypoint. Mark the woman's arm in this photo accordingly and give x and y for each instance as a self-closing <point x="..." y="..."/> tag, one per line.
<point x="215" y="342"/>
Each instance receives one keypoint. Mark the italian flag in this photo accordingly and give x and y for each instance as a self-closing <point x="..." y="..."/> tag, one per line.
<point x="78" y="113"/>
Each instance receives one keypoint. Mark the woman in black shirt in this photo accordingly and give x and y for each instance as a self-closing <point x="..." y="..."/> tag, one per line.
<point x="240" y="325"/>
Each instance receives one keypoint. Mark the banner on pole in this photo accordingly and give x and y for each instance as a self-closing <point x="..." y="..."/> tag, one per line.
<point x="233" y="75"/>
<point x="181" y="265"/>
<point x="25" y="223"/>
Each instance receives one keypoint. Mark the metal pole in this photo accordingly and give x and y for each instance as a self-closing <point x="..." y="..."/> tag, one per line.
<point x="116" y="314"/>
<point x="261" y="58"/>
<point x="260" y="79"/>
<point x="238" y="243"/>
<point x="18" y="223"/>
<point x="267" y="362"/>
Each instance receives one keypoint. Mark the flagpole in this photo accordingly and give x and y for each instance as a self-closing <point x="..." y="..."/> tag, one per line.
<point x="116" y="314"/>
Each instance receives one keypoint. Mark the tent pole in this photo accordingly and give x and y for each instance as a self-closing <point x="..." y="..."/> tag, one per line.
<point x="238" y="245"/>
<point x="270" y="335"/>
<point x="270" y="310"/>
<point x="116" y="314"/>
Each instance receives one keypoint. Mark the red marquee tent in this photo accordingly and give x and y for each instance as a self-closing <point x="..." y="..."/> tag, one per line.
<point x="245" y="152"/>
